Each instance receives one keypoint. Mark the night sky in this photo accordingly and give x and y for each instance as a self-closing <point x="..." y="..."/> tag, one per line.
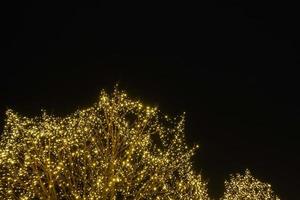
<point x="232" y="67"/>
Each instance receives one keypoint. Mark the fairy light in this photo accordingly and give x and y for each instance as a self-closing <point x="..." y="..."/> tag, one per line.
<point x="116" y="149"/>
<point x="245" y="186"/>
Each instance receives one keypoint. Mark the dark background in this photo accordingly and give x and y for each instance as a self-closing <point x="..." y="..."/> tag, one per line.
<point x="233" y="67"/>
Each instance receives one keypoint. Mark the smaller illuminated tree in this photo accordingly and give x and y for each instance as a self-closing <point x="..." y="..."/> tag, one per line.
<point x="246" y="187"/>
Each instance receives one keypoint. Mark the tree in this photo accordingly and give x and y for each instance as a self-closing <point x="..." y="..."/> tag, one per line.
<point x="247" y="187"/>
<point x="117" y="149"/>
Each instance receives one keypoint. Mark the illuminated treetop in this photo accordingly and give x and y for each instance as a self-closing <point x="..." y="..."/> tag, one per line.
<point x="116" y="149"/>
<point x="247" y="187"/>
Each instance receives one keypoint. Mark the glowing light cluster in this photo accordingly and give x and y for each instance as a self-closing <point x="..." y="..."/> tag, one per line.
<point x="117" y="149"/>
<point x="247" y="187"/>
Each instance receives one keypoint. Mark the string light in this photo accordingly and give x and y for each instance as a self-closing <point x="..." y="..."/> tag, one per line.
<point x="247" y="187"/>
<point x="117" y="149"/>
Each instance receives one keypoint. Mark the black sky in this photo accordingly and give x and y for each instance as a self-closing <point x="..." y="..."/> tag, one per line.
<point x="233" y="67"/>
